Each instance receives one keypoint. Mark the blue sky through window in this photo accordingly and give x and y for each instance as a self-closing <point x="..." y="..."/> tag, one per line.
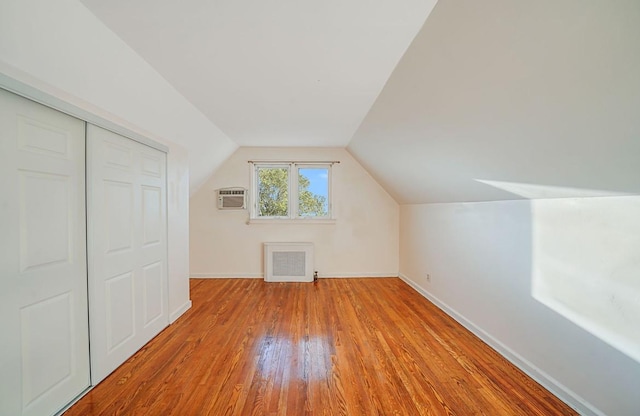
<point x="319" y="178"/>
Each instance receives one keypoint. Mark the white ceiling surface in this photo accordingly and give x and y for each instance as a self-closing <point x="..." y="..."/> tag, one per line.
<point x="501" y="95"/>
<point x="490" y="96"/>
<point x="272" y="73"/>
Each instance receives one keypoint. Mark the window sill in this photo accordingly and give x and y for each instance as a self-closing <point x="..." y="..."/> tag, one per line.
<point x="296" y="221"/>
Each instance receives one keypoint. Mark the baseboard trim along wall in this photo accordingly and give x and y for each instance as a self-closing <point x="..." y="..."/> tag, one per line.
<point x="558" y="389"/>
<point x="261" y="276"/>
<point x="227" y="276"/>
<point x="354" y="275"/>
<point x="179" y="312"/>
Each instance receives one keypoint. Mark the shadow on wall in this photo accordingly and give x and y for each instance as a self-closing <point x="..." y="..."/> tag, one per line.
<point x="585" y="259"/>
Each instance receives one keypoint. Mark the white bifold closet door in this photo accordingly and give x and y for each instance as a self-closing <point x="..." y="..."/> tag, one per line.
<point x="127" y="247"/>
<point x="44" y="334"/>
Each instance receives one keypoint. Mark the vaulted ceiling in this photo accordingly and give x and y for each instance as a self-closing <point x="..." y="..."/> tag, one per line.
<point x="470" y="101"/>
<point x="509" y="99"/>
<point x="276" y="72"/>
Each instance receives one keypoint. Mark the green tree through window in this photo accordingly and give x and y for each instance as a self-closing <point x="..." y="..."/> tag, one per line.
<point x="273" y="192"/>
<point x="310" y="204"/>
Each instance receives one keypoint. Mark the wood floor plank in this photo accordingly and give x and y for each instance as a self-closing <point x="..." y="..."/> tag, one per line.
<point x="335" y="347"/>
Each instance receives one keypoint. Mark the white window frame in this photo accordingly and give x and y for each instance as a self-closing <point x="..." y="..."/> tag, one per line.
<point x="293" y="172"/>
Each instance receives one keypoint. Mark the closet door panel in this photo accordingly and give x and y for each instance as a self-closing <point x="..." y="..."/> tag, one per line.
<point x="43" y="281"/>
<point x="127" y="247"/>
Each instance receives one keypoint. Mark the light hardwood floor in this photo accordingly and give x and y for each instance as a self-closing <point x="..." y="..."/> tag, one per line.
<point x="335" y="347"/>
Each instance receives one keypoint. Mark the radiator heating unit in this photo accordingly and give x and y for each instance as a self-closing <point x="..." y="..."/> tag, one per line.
<point x="288" y="262"/>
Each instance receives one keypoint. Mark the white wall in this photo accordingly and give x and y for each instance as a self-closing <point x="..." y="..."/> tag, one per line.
<point x="60" y="48"/>
<point x="362" y="242"/>
<point x="178" y="230"/>
<point x="62" y="45"/>
<point x="544" y="92"/>
<point x="482" y="259"/>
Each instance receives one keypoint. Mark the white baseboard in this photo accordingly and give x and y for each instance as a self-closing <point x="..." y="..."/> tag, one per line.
<point x="227" y="275"/>
<point x="261" y="276"/>
<point x="179" y="312"/>
<point x="555" y="387"/>
<point x="352" y="275"/>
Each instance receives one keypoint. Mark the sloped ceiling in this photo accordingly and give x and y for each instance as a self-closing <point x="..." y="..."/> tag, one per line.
<point x="274" y="72"/>
<point x="490" y="98"/>
<point x="511" y="99"/>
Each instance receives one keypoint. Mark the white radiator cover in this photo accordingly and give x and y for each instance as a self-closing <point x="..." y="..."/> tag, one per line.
<point x="288" y="262"/>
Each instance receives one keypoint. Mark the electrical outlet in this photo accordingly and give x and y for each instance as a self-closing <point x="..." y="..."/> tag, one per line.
<point x="428" y="278"/>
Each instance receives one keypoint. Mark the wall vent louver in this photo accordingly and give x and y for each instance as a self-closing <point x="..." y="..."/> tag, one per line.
<point x="232" y="198"/>
<point x="288" y="262"/>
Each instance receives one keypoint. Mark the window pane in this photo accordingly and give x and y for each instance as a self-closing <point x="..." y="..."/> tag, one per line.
<point x="273" y="192"/>
<point x="313" y="192"/>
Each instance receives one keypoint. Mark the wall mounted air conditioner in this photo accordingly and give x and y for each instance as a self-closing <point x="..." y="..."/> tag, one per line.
<point x="288" y="262"/>
<point x="232" y="198"/>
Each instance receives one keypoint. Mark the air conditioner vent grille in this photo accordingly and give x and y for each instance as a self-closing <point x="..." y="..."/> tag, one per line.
<point x="232" y="192"/>
<point x="232" y="198"/>
<point x="288" y="262"/>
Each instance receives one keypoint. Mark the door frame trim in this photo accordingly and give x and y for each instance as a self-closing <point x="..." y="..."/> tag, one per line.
<point x="65" y="105"/>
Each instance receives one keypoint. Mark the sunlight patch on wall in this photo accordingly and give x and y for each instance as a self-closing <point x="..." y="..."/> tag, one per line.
<point x="535" y="191"/>
<point x="586" y="265"/>
<point x="586" y="260"/>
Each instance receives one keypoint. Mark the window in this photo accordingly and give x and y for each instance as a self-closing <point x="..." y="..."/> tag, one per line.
<point x="291" y="191"/>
